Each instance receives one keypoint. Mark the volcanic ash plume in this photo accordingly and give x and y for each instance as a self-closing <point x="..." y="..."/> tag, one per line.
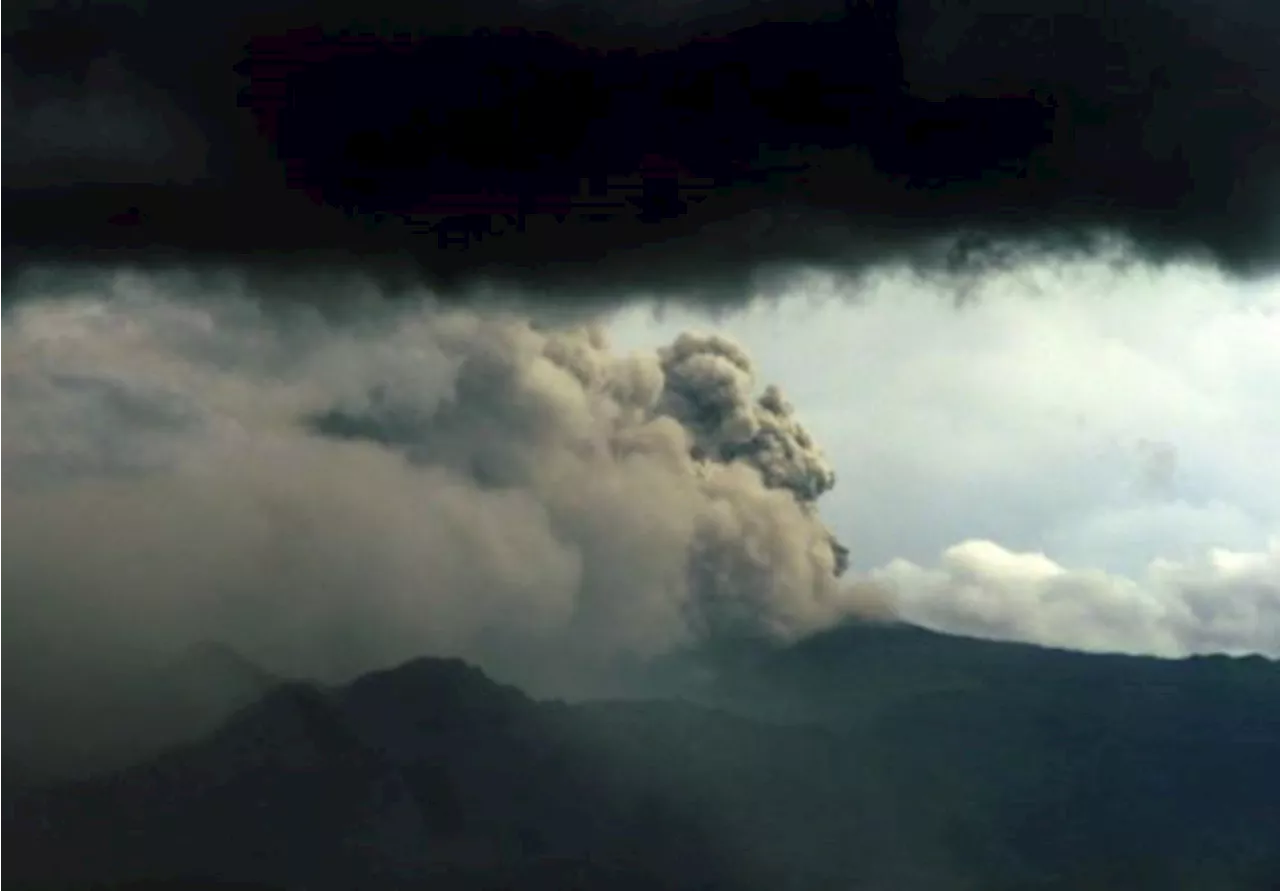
<point x="333" y="496"/>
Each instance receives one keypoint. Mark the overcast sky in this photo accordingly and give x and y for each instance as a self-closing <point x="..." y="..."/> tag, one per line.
<point x="1108" y="417"/>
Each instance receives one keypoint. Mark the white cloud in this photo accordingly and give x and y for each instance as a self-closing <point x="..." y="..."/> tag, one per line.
<point x="1227" y="602"/>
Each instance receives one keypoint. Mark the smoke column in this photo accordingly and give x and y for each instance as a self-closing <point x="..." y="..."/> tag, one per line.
<point x="182" y="463"/>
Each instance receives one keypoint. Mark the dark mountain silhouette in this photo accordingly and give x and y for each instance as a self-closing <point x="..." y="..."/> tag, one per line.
<point x="867" y="758"/>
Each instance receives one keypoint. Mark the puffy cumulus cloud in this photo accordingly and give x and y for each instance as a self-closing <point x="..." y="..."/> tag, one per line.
<point x="330" y="496"/>
<point x="1226" y="602"/>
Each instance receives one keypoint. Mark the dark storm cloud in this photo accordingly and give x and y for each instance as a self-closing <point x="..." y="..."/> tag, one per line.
<point x="691" y="148"/>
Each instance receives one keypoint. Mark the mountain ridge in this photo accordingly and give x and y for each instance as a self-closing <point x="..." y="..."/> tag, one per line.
<point x="992" y="767"/>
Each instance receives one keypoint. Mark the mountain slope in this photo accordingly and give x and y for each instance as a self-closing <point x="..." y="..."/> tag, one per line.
<point x="868" y="758"/>
<point x="1102" y="770"/>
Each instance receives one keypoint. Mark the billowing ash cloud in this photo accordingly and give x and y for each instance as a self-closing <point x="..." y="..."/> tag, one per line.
<point x="328" y="497"/>
<point x="590" y="150"/>
<point x="1228" y="602"/>
<point x="708" y="385"/>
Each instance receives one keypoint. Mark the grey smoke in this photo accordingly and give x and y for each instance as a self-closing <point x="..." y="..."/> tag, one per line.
<point x="708" y="386"/>
<point x="329" y="497"/>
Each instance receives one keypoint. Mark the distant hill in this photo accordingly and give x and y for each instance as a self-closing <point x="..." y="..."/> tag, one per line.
<point x="125" y="715"/>
<point x="872" y="757"/>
